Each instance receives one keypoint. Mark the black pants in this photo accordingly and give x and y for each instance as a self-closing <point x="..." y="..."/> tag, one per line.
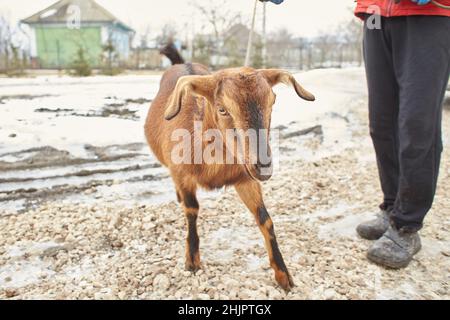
<point x="408" y="67"/>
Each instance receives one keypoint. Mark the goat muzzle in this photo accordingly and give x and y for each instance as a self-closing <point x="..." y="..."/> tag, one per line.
<point x="259" y="171"/>
<point x="259" y="161"/>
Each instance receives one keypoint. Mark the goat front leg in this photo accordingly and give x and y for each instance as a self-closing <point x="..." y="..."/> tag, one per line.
<point x="251" y="194"/>
<point x="191" y="207"/>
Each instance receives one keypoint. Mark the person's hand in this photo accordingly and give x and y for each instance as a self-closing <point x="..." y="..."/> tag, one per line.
<point x="421" y="2"/>
<point x="274" y="1"/>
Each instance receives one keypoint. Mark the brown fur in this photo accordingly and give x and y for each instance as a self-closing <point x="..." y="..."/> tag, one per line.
<point x="239" y="98"/>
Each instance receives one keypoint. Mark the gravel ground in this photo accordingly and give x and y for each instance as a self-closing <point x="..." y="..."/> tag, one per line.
<point x="104" y="251"/>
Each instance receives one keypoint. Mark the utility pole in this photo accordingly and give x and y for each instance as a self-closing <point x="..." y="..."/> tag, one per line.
<point x="264" y="36"/>
<point x="250" y="38"/>
<point x="300" y="53"/>
<point x="192" y="42"/>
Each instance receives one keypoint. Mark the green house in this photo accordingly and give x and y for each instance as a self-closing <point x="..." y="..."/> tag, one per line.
<point x="58" y="32"/>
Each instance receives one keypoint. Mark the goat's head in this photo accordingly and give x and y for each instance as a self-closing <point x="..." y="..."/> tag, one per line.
<point x="240" y="99"/>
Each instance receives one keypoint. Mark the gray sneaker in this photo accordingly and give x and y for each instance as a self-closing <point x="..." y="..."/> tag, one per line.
<point x="395" y="249"/>
<point x="374" y="229"/>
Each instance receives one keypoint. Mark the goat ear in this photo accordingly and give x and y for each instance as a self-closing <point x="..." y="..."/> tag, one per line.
<point x="200" y="85"/>
<point x="276" y="76"/>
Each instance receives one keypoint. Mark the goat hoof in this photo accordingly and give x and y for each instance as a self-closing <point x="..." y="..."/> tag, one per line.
<point x="284" y="279"/>
<point x="191" y="266"/>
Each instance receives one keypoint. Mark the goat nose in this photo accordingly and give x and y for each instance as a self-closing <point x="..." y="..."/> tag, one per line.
<point x="264" y="171"/>
<point x="264" y="161"/>
<point x="261" y="166"/>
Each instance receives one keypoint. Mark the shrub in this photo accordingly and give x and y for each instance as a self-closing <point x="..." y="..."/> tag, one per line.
<point x="110" y="65"/>
<point x="80" y="66"/>
<point x="17" y="64"/>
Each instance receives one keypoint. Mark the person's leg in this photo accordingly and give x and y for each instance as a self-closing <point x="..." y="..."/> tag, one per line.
<point x="383" y="119"/>
<point x="422" y="62"/>
<point x="383" y="108"/>
<point x="421" y="51"/>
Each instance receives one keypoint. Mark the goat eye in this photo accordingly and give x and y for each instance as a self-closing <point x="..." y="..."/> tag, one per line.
<point x="223" y="112"/>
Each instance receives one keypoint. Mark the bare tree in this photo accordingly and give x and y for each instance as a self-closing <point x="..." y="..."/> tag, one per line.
<point x="217" y="18"/>
<point x="167" y="34"/>
<point x="13" y="57"/>
<point x="142" y="46"/>
<point x="202" y="49"/>
<point x="279" y="45"/>
<point x="5" y="43"/>
<point x="145" y="37"/>
<point x="325" y="43"/>
<point x="353" y="36"/>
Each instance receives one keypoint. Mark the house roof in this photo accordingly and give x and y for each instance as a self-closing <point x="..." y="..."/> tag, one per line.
<point x="59" y="13"/>
<point x="240" y="31"/>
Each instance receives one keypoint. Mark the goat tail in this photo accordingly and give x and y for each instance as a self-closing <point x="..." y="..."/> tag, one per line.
<point x="172" y="53"/>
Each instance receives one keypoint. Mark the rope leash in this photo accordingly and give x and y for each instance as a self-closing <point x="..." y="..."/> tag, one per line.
<point x="440" y="5"/>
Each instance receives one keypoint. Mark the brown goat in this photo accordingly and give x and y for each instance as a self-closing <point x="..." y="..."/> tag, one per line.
<point x="233" y="99"/>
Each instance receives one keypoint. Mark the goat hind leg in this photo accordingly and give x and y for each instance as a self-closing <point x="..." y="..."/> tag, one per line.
<point x="251" y="194"/>
<point x="191" y="208"/>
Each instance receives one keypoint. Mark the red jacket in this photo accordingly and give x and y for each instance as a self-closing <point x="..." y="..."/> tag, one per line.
<point x="405" y="8"/>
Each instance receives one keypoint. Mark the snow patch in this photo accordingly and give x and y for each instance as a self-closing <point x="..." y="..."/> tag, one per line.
<point x="25" y="266"/>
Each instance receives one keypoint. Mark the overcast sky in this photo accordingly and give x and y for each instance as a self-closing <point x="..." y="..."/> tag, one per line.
<point x="301" y="17"/>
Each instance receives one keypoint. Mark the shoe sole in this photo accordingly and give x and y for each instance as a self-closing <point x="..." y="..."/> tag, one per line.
<point x="392" y="265"/>
<point x="386" y="263"/>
